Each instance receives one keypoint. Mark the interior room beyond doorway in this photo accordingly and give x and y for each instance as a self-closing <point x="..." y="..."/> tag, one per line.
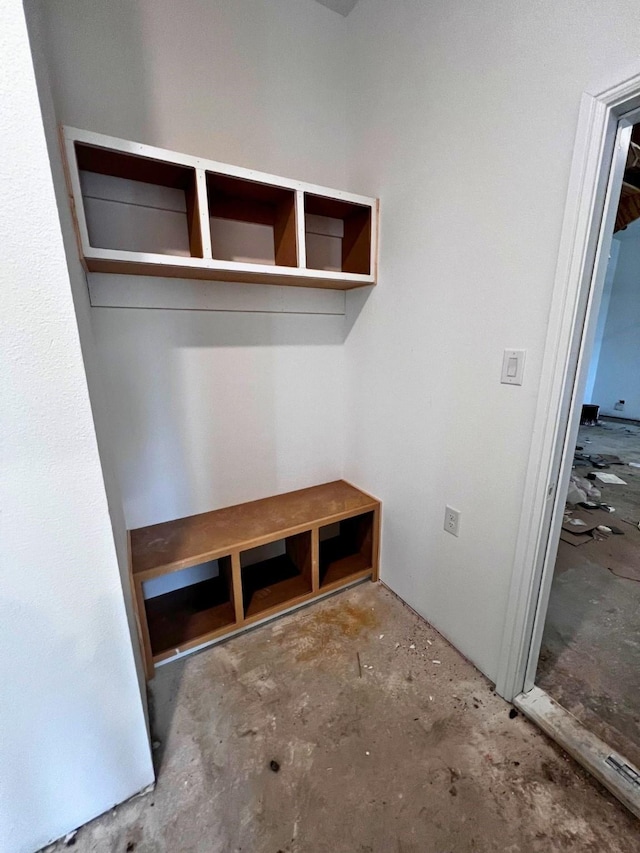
<point x="590" y="653"/>
<point x="591" y="644"/>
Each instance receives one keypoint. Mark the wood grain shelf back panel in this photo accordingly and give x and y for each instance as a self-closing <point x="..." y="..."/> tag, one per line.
<point x="197" y="538"/>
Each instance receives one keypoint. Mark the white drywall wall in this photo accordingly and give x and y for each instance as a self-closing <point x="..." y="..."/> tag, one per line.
<point x="80" y="294"/>
<point x="73" y="738"/>
<point x="463" y="118"/>
<point x="211" y="409"/>
<point x="256" y="83"/>
<point x="618" y="370"/>
<point x="208" y="409"/>
<point x="602" y="320"/>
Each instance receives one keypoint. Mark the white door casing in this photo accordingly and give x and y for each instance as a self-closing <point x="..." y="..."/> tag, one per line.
<point x="602" y="140"/>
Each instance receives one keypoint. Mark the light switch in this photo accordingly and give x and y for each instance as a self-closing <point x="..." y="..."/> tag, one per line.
<point x="513" y="366"/>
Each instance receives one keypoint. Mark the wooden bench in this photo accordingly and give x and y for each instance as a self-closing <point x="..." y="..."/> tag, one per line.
<point x="272" y="555"/>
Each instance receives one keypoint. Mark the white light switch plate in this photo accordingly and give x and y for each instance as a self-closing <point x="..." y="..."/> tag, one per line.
<point x="513" y="366"/>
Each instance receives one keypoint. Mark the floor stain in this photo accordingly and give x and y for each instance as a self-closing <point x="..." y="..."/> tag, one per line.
<point x="323" y="632"/>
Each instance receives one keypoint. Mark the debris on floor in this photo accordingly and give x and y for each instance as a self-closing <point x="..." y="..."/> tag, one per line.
<point x="365" y="764"/>
<point x="609" y="479"/>
<point x="581" y="490"/>
<point x="589" y="654"/>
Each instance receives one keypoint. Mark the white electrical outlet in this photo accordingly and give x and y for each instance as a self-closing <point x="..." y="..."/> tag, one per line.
<point x="452" y="520"/>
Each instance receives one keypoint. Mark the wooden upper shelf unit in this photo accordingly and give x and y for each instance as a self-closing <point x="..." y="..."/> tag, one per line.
<point x="146" y="211"/>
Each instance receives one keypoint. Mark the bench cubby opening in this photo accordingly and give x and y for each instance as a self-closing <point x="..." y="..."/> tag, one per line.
<point x="276" y="573"/>
<point x="346" y="548"/>
<point x="189" y="613"/>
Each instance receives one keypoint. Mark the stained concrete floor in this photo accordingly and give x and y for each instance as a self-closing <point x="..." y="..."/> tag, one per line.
<point x="407" y="750"/>
<point x="590" y="656"/>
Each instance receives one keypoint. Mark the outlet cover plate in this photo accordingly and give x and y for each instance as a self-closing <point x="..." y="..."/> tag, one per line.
<point x="452" y="520"/>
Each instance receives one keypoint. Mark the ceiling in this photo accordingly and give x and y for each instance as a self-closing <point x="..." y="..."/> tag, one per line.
<point x="343" y="7"/>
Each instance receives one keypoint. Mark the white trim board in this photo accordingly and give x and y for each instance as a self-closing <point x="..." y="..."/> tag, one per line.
<point x="587" y="749"/>
<point x="585" y="224"/>
<point x="110" y="290"/>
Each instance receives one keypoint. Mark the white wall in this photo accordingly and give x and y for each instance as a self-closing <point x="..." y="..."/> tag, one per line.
<point x="463" y="120"/>
<point x="207" y="409"/>
<point x="211" y="409"/>
<point x="68" y="749"/>
<point x="618" y="371"/>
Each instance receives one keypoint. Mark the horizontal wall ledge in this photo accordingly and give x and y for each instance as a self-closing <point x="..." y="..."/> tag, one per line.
<point x="107" y="290"/>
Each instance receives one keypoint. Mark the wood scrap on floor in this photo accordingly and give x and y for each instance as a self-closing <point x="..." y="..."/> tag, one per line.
<point x="618" y="550"/>
<point x="578" y="529"/>
<point x="609" y="479"/>
<point x="575" y="538"/>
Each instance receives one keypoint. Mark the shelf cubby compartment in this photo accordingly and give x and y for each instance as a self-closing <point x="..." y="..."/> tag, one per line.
<point x="188" y="615"/>
<point x="276" y="575"/>
<point x="138" y="204"/>
<point x="346" y="549"/>
<point x="251" y="222"/>
<point x="337" y="235"/>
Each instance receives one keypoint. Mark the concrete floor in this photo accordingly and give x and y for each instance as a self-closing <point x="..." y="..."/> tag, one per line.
<point x="590" y="657"/>
<point x="406" y="751"/>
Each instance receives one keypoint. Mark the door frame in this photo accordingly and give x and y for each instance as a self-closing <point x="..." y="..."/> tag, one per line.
<point x="604" y="123"/>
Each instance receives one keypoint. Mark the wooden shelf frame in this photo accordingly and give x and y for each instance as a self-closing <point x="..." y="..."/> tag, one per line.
<point x="108" y="155"/>
<point x="227" y="535"/>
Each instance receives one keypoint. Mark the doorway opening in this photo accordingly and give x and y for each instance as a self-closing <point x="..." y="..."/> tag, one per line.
<point x="590" y="652"/>
<point x="571" y="648"/>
